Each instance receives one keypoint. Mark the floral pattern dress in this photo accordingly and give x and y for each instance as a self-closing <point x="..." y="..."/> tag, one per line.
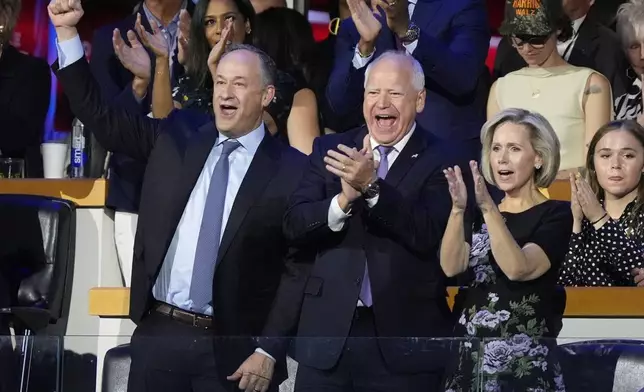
<point x="508" y="326"/>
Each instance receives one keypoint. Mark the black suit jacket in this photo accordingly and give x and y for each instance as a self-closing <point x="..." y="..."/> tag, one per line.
<point x="25" y="88"/>
<point x="253" y="249"/>
<point x="399" y="239"/>
<point x="126" y="173"/>
<point x="597" y="47"/>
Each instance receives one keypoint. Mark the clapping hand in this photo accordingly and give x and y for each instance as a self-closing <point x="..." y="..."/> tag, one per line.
<point x="457" y="188"/>
<point x="365" y="20"/>
<point x="483" y="198"/>
<point x="156" y="41"/>
<point x="133" y="57"/>
<point x="183" y="38"/>
<point x="590" y="206"/>
<point x="356" y="169"/>
<point x="220" y="47"/>
<point x="577" y="212"/>
<point x="397" y="12"/>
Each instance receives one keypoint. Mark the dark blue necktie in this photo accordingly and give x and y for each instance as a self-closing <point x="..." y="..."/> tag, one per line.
<point x="207" y="249"/>
<point x="383" y="168"/>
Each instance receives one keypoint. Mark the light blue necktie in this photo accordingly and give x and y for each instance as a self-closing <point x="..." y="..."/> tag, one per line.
<point x="203" y="269"/>
<point x="383" y="168"/>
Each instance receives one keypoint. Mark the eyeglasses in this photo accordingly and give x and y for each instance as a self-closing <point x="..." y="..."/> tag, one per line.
<point x="535" y="41"/>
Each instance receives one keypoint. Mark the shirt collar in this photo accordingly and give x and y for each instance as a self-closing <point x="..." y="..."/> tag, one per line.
<point x="151" y="17"/>
<point x="250" y="142"/>
<point x="401" y="143"/>
<point x="576" y="24"/>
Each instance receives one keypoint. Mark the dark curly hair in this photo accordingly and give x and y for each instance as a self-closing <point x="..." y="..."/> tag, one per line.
<point x="9" y="12"/>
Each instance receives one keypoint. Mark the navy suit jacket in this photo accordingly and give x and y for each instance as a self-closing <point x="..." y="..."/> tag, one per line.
<point x="126" y="174"/>
<point x="399" y="240"/>
<point x="452" y="48"/>
<point x="253" y="254"/>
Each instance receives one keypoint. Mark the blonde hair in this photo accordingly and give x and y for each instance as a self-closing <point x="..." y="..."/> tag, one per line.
<point x="630" y="22"/>
<point x="543" y="139"/>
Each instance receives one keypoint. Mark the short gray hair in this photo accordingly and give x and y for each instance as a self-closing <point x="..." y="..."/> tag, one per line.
<point x="543" y="139"/>
<point x="630" y="22"/>
<point x="9" y="12"/>
<point x="418" y="76"/>
<point x="268" y="67"/>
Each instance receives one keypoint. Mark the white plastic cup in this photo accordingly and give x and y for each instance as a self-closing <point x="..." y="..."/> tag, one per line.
<point x="54" y="156"/>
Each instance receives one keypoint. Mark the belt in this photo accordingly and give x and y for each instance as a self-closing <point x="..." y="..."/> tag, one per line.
<point x="196" y="320"/>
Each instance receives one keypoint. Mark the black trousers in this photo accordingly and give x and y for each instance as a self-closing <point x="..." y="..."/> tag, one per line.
<point x="361" y="367"/>
<point x="168" y="355"/>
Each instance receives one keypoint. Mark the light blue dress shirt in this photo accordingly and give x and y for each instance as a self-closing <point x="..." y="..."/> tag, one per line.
<point x="181" y="253"/>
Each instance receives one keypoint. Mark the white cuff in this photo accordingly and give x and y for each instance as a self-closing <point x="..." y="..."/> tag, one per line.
<point x="69" y="51"/>
<point x="410" y="47"/>
<point x="359" y="61"/>
<point x="337" y="217"/>
<point x="373" y="201"/>
<point x="259" y="350"/>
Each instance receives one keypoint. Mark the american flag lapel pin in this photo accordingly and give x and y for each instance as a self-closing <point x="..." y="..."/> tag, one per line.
<point x="415" y="156"/>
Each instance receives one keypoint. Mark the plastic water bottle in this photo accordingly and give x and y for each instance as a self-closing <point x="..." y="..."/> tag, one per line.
<point x="78" y="154"/>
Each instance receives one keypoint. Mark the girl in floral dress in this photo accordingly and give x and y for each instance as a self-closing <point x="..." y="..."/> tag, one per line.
<point x="513" y="261"/>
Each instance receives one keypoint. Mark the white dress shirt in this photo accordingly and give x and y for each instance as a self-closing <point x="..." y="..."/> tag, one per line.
<point x="359" y="61"/>
<point x="336" y="218"/>
<point x="565" y="48"/>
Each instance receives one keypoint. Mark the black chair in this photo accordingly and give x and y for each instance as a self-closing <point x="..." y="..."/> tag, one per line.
<point x="37" y="244"/>
<point x="116" y="369"/>
<point x="603" y="365"/>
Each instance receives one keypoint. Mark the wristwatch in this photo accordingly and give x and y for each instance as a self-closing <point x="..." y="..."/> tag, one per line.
<point x="412" y="34"/>
<point x="372" y="190"/>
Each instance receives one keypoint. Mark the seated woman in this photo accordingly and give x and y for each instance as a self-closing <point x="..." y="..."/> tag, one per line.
<point x="513" y="262"/>
<point x="607" y="245"/>
<point x="630" y="30"/>
<point x="575" y="100"/>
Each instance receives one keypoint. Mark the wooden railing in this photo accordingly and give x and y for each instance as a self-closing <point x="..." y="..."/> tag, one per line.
<point x="605" y="302"/>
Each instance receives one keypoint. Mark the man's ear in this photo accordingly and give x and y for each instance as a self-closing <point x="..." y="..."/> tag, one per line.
<point x="269" y="94"/>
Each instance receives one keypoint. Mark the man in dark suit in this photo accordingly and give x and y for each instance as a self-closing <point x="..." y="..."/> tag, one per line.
<point x="25" y="88"/>
<point x="449" y="38"/>
<point x="131" y="90"/>
<point x="209" y="250"/>
<point x="592" y="45"/>
<point x="375" y="229"/>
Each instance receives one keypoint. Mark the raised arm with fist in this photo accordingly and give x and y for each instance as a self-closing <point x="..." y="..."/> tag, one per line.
<point x="65" y="15"/>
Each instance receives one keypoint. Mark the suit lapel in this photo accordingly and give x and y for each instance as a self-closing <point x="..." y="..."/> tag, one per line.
<point x="196" y="153"/>
<point x="585" y="45"/>
<point x="259" y="174"/>
<point x="407" y="157"/>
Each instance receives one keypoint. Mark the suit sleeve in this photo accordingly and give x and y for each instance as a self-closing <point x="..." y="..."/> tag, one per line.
<point x="456" y="66"/>
<point x="105" y="67"/>
<point x="346" y="84"/>
<point x="115" y="129"/>
<point x="282" y="321"/>
<point x="26" y="114"/>
<point x="306" y="218"/>
<point x="416" y="224"/>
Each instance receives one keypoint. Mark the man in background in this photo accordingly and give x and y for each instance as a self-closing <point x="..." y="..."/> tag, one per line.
<point x="25" y="88"/>
<point x="121" y="88"/>
<point x="450" y="40"/>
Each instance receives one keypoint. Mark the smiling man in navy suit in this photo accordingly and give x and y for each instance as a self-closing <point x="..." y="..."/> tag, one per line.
<point x="449" y="38"/>
<point x="373" y="206"/>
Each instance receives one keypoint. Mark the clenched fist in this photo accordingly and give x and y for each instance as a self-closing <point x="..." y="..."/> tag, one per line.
<point x="65" y="15"/>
